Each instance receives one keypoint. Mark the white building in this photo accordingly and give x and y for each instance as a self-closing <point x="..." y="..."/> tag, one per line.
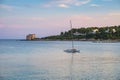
<point x="94" y="31"/>
<point x="77" y="34"/>
<point x="113" y="30"/>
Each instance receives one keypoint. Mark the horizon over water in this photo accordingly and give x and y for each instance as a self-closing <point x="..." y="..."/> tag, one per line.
<point x="46" y="60"/>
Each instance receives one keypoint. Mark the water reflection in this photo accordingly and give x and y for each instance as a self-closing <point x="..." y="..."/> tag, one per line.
<point x="71" y="67"/>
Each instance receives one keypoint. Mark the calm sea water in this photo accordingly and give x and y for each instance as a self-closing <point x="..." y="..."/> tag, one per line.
<point x="46" y="60"/>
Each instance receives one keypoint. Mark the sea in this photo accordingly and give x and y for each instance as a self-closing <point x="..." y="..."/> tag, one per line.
<point x="46" y="60"/>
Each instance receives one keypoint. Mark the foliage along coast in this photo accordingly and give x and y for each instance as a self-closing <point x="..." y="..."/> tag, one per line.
<point x="111" y="33"/>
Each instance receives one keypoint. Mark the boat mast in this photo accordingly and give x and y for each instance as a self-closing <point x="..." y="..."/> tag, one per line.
<point x="71" y="34"/>
<point x="73" y="50"/>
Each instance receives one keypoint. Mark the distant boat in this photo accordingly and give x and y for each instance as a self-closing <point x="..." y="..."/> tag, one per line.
<point x="73" y="50"/>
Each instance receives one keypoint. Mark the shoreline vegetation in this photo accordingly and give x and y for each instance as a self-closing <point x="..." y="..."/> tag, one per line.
<point x="95" y="34"/>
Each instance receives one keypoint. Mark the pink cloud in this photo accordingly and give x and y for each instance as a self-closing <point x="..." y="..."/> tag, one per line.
<point x="95" y="20"/>
<point x="1" y="25"/>
<point x="81" y="17"/>
<point x="114" y="14"/>
<point x="61" y="22"/>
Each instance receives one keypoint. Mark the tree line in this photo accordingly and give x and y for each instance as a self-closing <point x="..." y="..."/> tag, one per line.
<point x="95" y="33"/>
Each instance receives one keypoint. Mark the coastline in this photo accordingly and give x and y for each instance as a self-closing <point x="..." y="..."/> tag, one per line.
<point x="92" y="40"/>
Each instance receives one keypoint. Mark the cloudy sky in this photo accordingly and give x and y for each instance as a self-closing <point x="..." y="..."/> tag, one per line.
<point x="50" y="17"/>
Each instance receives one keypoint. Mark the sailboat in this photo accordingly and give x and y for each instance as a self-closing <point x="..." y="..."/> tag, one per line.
<point x="72" y="50"/>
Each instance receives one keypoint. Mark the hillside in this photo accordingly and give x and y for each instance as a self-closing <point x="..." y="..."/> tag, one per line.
<point x="89" y="33"/>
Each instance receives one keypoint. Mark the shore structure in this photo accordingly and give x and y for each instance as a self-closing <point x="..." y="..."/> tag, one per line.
<point x="96" y="34"/>
<point x="30" y="37"/>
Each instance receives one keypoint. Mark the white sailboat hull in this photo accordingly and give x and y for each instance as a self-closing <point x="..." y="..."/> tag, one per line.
<point x="72" y="51"/>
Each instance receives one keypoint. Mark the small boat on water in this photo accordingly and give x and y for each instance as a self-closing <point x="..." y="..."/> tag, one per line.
<point x="73" y="50"/>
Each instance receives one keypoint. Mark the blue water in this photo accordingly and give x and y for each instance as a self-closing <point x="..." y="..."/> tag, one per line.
<point x="46" y="60"/>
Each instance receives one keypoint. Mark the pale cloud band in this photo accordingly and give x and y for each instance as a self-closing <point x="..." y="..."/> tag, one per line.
<point x="52" y="3"/>
<point x="66" y="3"/>
<point x="63" y="6"/>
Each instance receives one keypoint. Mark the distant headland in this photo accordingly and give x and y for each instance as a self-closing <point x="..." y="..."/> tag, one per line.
<point x="84" y="34"/>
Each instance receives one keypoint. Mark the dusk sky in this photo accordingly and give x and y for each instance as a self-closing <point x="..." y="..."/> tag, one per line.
<point x="50" y="17"/>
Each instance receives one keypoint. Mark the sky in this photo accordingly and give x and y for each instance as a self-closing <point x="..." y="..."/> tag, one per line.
<point x="51" y="17"/>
